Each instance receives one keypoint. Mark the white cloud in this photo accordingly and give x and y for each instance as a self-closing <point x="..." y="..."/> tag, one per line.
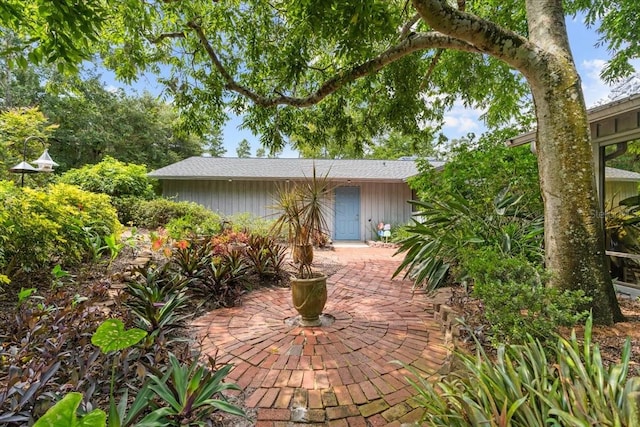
<point x="596" y="91"/>
<point x="461" y="120"/>
<point x="593" y="87"/>
<point x="593" y="67"/>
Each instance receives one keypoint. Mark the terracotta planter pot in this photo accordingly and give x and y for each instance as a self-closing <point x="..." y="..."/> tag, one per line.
<point x="309" y="297"/>
<point x="303" y="254"/>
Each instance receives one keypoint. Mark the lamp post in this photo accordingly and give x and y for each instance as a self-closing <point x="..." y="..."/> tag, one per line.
<point x="45" y="162"/>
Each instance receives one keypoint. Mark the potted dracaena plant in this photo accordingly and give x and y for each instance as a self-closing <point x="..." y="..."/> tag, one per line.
<point x="302" y="208"/>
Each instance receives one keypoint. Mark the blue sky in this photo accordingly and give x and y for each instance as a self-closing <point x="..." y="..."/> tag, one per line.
<point x="459" y="121"/>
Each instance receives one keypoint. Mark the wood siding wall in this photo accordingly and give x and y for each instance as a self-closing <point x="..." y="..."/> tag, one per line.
<point x="379" y="202"/>
<point x="615" y="191"/>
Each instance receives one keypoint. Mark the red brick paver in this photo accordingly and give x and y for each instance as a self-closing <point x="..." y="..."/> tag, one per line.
<point x="345" y="373"/>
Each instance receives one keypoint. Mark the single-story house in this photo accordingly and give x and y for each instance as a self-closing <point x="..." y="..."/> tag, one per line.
<point x="367" y="192"/>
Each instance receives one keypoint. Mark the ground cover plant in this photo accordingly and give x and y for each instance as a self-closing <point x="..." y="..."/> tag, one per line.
<point x="47" y="349"/>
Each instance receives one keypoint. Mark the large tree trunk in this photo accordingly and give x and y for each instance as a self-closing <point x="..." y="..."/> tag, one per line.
<point x="574" y="239"/>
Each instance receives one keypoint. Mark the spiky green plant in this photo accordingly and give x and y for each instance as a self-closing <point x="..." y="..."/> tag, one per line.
<point x="526" y="387"/>
<point x="302" y="208"/>
<point x="189" y="394"/>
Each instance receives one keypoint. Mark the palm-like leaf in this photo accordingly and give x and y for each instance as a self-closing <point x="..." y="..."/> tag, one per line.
<point x="190" y="393"/>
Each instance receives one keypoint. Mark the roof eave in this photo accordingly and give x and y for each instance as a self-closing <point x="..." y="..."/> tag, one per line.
<point x="240" y="178"/>
<point x="594" y="114"/>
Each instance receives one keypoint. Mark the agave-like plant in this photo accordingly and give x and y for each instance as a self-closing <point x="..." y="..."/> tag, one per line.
<point x="525" y="387"/>
<point x="189" y="394"/>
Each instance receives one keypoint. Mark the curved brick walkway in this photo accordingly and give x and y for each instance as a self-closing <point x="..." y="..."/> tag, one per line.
<point x="338" y="375"/>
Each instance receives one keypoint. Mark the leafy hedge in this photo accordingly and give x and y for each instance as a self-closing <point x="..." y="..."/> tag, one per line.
<point x="111" y="177"/>
<point x="127" y="184"/>
<point x="184" y="215"/>
<point x="38" y="227"/>
<point x="516" y="300"/>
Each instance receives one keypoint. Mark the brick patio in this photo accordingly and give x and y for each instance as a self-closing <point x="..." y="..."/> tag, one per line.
<point x="338" y="375"/>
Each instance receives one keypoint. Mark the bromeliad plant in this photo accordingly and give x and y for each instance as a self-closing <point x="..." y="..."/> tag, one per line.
<point x="188" y="395"/>
<point x="222" y="281"/>
<point x="190" y="258"/>
<point x="157" y="298"/>
<point x="526" y="387"/>
<point x="265" y="256"/>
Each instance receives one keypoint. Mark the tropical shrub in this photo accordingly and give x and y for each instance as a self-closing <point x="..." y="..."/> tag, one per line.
<point x="487" y="194"/>
<point x="247" y="223"/>
<point x="479" y="170"/>
<point x="265" y="256"/>
<point x="38" y="227"/>
<point x="193" y="226"/>
<point x="189" y="394"/>
<point x="158" y="212"/>
<point x="93" y="210"/>
<point x="222" y="283"/>
<point x="516" y="303"/>
<point x="127" y="208"/>
<point x="218" y="267"/>
<point x="111" y="177"/>
<point x="158" y="300"/>
<point x="443" y="227"/>
<point x="223" y="243"/>
<point x="127" y="184"/>
<point x="190" y="257"/>
<point x="525" y="387"/>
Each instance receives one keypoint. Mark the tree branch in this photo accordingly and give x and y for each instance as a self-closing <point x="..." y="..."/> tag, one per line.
<point x="432" y="67"/>
<point x="486" y="36"/>
<point x="406" y="28"/>
<point x="414" y="43"/>
<point x="462" y="4"/>
<point x="175" y="35"/>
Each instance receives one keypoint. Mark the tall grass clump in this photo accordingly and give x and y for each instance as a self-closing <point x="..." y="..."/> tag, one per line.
<point x="528" y="385"/>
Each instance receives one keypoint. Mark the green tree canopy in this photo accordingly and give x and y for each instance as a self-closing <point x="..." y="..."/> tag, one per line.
<point x="244" y="149"/>
<point x="51" y="31"/>
<point x="316" y="71"/>
<point x="93" y="122"/>
<point x="16" y="125"/>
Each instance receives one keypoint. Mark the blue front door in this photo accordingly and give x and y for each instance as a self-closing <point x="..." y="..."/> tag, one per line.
<point x="347" y="213"/>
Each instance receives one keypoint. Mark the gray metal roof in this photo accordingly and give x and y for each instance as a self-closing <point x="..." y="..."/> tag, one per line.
<point x="220" y="168"/>
<point x="614" y="174"/>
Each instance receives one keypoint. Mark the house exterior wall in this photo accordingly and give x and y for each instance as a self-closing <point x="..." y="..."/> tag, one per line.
<point x="383" y="202"/>
<point x="379" y="202"/>
<point x="615" y="191"/>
